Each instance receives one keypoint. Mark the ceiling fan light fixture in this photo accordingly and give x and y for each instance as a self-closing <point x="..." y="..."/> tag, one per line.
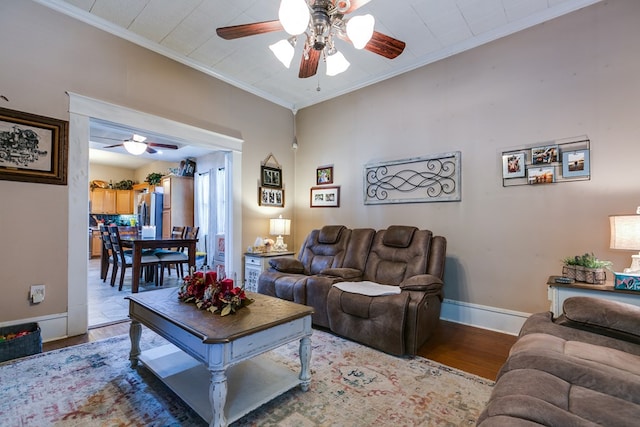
<point x="336" y="64"/>
<point x="360" y="30"/>
<point x="138" y="138"/>
<point x="284" y="51"/>
<point x="134" y="147"/>
<point x="294" y="16"/>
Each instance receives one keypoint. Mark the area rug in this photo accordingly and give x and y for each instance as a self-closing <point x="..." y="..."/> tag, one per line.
<point x="352" y="385"/>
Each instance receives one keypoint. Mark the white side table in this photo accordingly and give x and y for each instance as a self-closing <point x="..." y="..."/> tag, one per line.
<point x="558" y="292"/>
<point x="255" y="264"/>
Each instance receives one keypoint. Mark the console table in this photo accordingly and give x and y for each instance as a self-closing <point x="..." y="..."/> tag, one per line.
<point x="216" y="364"/>
<point x="558" y="292"/>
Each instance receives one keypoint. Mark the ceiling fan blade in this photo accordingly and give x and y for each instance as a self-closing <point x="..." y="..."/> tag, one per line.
<point x="385" y="45"/>
<point x="355" y="4"/>
<point x="151" y="150"/>
<point x="114" y="146"/>
<point x="244" y="30"/>
<point x="309" y="67"/>
<point x="167" y="146"/>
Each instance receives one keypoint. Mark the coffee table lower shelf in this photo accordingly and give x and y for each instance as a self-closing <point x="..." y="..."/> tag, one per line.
<point x="251" y="383"/>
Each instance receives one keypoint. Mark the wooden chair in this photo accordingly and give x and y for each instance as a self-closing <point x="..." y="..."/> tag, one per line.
<point x="108" y="256"/>
<point x="126" y="259"/>
<point x="178" y="257"/>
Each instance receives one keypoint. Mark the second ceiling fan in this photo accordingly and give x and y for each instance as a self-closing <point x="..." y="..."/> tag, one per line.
<point x="138" y="144"/>
<point x="321" y="21"/>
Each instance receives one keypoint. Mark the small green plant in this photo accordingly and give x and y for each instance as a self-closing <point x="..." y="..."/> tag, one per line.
<point x="153" y="178"/>
<point x="588" y="260"/>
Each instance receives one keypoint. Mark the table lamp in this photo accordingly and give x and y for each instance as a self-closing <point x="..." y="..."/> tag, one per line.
<point x="625" y="235"/>
<point x="279" y="226"/>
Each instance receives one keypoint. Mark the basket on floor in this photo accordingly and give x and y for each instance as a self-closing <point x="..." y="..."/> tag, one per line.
<point x="23" y="346"/>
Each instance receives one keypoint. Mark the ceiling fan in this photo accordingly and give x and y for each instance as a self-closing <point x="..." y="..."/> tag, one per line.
<point x="321" y="21"/>
<point x="138" y="144"/>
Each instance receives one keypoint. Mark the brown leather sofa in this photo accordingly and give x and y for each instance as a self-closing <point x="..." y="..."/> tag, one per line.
<point x="400" y="256"/>
<point x="581" y="369"/>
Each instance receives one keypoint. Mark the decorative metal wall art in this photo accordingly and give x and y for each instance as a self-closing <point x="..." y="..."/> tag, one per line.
<point x="434" y="178"/>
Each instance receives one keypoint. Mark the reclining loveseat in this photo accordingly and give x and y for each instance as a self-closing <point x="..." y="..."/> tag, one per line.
<point x="381" y="288"/>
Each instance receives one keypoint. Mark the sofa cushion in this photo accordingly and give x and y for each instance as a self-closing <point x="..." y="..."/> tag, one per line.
<point x="330" y="234"/>
<point x="609" y="318"/>
<point x="287" y="265"/>
<point x="398" y="236"/>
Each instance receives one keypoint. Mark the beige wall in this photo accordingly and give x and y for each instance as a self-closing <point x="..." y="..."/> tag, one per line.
<point x="572" y="76"/>
<point x="575" y="75"/>
<point x="47" y="54"/>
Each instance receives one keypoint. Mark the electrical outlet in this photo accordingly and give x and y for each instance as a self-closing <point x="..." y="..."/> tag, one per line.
<point x="37" y="294"/>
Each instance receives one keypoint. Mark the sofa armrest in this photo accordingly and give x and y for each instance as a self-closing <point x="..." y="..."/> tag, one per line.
<point x="344" y="273"/>
<point x="422" y="282"/>
<point x="604" y="317"/>
<point x="287" y="265"/>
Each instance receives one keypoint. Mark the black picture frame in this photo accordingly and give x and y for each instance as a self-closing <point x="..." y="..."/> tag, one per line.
<point x="271" y="177"/>
<point x="33" y="148"/>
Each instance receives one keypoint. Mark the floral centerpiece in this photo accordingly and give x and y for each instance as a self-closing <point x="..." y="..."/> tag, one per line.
<point x="208" y="293"/>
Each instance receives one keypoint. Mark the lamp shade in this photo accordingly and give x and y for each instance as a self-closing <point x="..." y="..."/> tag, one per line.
<point x="625" y="232"/>
<point x="336" y="64"/>
<point x="279" y="226"/>
<point x="294" y="16"/>
<point x="360" y="30"/>
<point x="284" y="51"/>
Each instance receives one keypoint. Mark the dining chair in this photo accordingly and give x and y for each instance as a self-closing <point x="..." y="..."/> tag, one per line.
<point x="126" y="259"/>
<point x="176" y="232"/>
<point x="108" y="256"/>
<point x="177" y="257"/>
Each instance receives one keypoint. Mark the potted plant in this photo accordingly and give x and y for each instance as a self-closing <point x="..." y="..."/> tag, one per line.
<point x="586" y="268"/>
<point x="154" y="178"/>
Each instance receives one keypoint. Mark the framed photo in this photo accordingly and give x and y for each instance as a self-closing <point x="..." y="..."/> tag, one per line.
<point x="541" y="175"/>
<point x="324" y="175"/>
<point x="271" y="177"/>
<point x="33" y="148"/>
<point x="325" y="197"/>
<point x="575" y="163"/>
<point x="271" y="197"/>
<point x="545" y="155"/>
<point x="513" y="165"/>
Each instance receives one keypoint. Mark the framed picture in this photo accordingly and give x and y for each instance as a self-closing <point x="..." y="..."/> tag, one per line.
<point x="271" y="197"/>
<point x="513" y="165"/>
<point x="324" y="175"/>
<point x="33" y="148"/>
<point x="325" y="197"/>
<point x="541" y="175"/>
<point x="544" y="155"/>
<point x="271" y="177"/>
<point x="575" y="163"/>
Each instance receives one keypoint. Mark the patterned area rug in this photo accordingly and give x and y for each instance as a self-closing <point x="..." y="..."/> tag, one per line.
<point x="352" y="385"/>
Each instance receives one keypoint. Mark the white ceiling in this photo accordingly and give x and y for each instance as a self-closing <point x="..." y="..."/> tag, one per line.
<point x="185" y="30"/>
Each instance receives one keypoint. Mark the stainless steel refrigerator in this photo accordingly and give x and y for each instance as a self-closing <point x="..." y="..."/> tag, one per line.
<point x="150" y="211"/>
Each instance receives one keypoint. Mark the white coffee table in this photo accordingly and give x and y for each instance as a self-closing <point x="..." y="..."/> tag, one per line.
<point x="216" y="364"/>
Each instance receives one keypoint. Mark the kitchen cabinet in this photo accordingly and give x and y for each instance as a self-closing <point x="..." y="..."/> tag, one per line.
<point x="96" y="243"/>
<point x="109" y="201"/>
<point x="177" y="203"/>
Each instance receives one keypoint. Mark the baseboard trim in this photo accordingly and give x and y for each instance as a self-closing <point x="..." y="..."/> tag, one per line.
<point x="52" y="326"/>
<point x="482" y="316"/>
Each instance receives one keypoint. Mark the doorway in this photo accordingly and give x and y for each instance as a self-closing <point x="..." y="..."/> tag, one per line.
<point x="82" y="110"/>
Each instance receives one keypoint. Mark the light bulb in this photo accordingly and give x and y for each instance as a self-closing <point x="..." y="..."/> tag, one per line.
<point x="294" y="16"/>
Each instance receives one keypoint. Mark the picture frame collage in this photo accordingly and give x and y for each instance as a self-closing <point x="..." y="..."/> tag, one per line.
<point x="270" y="192"/>
<point x="324" y="195"/>
<point x="547" y="163"/>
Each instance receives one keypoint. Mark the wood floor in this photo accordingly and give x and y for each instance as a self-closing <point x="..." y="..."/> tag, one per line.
<point x="469" y="349"/>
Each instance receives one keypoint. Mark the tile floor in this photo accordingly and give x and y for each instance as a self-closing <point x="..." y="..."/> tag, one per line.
<point x="106" y="304"/>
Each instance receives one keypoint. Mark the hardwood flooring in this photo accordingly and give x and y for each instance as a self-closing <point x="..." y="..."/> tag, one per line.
<point x="477" y="351"/>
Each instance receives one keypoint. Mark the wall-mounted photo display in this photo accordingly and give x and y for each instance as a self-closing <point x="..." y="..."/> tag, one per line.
<point x="271" y="177"/>
<point x="576" y="163"/>
<point x="513" y="165"/>
<point x="270" y="197"/>
<point x="324" y="175"/>
<point x="325" y="197"/>
<point x="545" y="155"/>
<point x="541" y="175"/>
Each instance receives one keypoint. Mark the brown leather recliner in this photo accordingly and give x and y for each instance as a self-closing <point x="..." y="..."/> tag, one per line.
<point x="322" y="249"/>
<point x="398" y="324"/>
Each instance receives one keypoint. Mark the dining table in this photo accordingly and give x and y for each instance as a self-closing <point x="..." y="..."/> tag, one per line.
<point x="138" y="244"/>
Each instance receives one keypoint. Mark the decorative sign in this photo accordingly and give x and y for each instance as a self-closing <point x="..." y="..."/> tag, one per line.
<point x="433" y="178"/>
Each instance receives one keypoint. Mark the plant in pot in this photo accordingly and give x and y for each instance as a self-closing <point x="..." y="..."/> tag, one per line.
<point x="586" y="268"/>
<point x="153" y="178"/>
